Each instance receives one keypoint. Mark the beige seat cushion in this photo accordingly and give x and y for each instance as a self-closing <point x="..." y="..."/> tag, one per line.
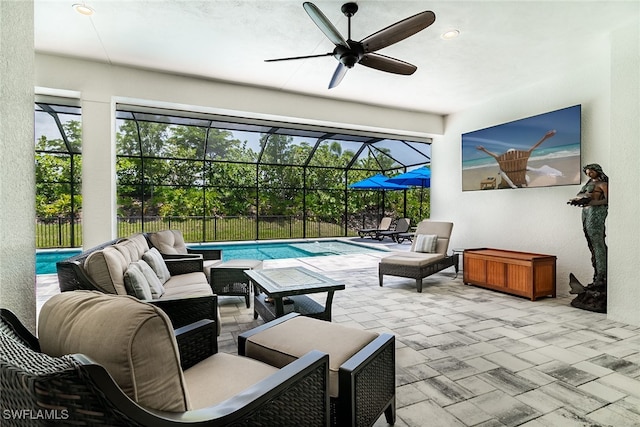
<point x="181" y="287"/>
<point x="134" y="341"/>
<point x="106" y="268"/>
<point x="222" y="376"/>
<point x="169" y="242"/>
<point x="129" y="250"/>
<point x="290" y="340"/>
<point x="414" y="259"/>
<point x="141" y="242"/>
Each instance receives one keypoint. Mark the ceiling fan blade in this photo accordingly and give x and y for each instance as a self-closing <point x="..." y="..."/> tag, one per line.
<point x="398" y="31"/>
<point x="324" y="24"/>
<point x="388" y="64"/>
<point x="338" y="75"/>
<point x="298" y="57"/>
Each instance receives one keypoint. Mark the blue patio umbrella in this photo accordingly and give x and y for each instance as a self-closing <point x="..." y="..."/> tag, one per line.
<point x="377" y="182"/>
<point x="420" y="177"/>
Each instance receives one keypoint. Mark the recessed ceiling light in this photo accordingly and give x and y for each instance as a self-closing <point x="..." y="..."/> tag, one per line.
<point x="83" y="9"/>
<point x="450" y="34"/>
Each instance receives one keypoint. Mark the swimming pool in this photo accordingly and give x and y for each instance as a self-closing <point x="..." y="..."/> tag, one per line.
<point x="46" y="259"/>
<point x="280" y="250"/>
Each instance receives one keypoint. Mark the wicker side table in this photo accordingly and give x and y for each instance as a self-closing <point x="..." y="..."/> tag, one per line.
<point x="227" y="278"/>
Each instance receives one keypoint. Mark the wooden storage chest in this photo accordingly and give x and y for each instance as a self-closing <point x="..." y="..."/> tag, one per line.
<point x="518" y="273"/>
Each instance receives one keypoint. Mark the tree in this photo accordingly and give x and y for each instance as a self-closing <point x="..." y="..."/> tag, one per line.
<point x="58" y="173"/>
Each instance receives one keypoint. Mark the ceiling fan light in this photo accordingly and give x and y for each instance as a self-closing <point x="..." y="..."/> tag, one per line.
<point x="450" y="34"/>
<point x="83" y="9"/>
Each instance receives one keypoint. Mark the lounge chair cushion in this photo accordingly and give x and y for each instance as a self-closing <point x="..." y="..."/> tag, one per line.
<point x="136" y="283"/>
<point x="439" y="228"/>
<point x="154" y="259"/>
<point x="290" y="340"/>
<point x="412" y="259"/>
<point x="134" y="341"/>
<point x="426" y="243"/>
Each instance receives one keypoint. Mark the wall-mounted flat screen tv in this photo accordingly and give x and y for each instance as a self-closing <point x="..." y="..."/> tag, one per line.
<point x="539" y="151"/>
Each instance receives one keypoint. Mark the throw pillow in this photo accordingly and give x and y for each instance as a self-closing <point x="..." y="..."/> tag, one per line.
<point x="136" y="283"/>
<point x="154" y="283"/>
<point x="426" y="243"/>
<point x="155" y="261"/>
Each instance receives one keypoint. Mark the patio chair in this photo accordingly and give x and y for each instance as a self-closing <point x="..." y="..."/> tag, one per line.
<point x="385" y="225"/>
<point x="428" y="254"/>
<point x="171" y="244"/>
<point x="402" y="226"/>
<point x="107" y="360"/>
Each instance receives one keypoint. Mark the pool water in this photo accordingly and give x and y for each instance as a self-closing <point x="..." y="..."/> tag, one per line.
<point x="46" y="260"/>
<point x="280" y="250"/>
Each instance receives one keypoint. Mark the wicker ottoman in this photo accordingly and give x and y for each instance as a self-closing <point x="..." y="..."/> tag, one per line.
<point x="361" y="363"/>
<point x="227" y="278"/>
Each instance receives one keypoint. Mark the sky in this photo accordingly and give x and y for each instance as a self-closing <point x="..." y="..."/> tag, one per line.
<point x="524" y="133"/>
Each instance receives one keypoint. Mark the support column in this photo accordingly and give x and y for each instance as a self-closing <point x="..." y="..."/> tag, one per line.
<point x="17" y="165"/>
<point x="99" y="222"/>
<point x="623" y="227"/>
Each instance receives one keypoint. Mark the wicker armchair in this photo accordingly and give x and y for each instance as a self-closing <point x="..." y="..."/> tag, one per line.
<point x="73" y="389"/>
<point x="171" y="245"/>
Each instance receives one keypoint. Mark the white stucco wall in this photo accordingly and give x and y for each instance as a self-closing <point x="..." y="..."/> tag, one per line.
<point x="538" y="219"/>
<point x="17" y="168"/>
<point x="623" y="220"/>
<point x="531" y="219"/>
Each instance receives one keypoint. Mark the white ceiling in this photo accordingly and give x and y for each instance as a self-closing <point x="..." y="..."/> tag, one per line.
<point x="502" y="46"/>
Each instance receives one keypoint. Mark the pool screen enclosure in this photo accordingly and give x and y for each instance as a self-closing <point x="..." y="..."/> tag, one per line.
<point x="220" y="178"/>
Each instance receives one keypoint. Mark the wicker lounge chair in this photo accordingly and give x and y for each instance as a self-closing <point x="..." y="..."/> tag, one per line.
<point x="417" y="264"/>
<point x="401" y="226"/>
<point x="385" y="225"/>
<point x="48" y="382"/>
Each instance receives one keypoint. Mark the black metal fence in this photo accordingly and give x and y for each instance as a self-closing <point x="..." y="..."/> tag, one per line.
<point x="66" y="233"/>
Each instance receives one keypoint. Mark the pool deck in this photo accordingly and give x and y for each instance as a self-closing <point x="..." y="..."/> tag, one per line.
<point x="47" y="284"/>
<point x="468" y="356"/>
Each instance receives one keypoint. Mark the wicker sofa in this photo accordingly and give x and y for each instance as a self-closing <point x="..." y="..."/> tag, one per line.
<point x="187" y="296"/>
<point x="80" y="373"/>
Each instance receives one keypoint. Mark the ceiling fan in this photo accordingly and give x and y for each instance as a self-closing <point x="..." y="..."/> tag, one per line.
<point x="349" y="52"/>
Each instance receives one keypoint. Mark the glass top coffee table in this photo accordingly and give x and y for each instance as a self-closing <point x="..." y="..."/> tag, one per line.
<point x="294" y="283"/>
